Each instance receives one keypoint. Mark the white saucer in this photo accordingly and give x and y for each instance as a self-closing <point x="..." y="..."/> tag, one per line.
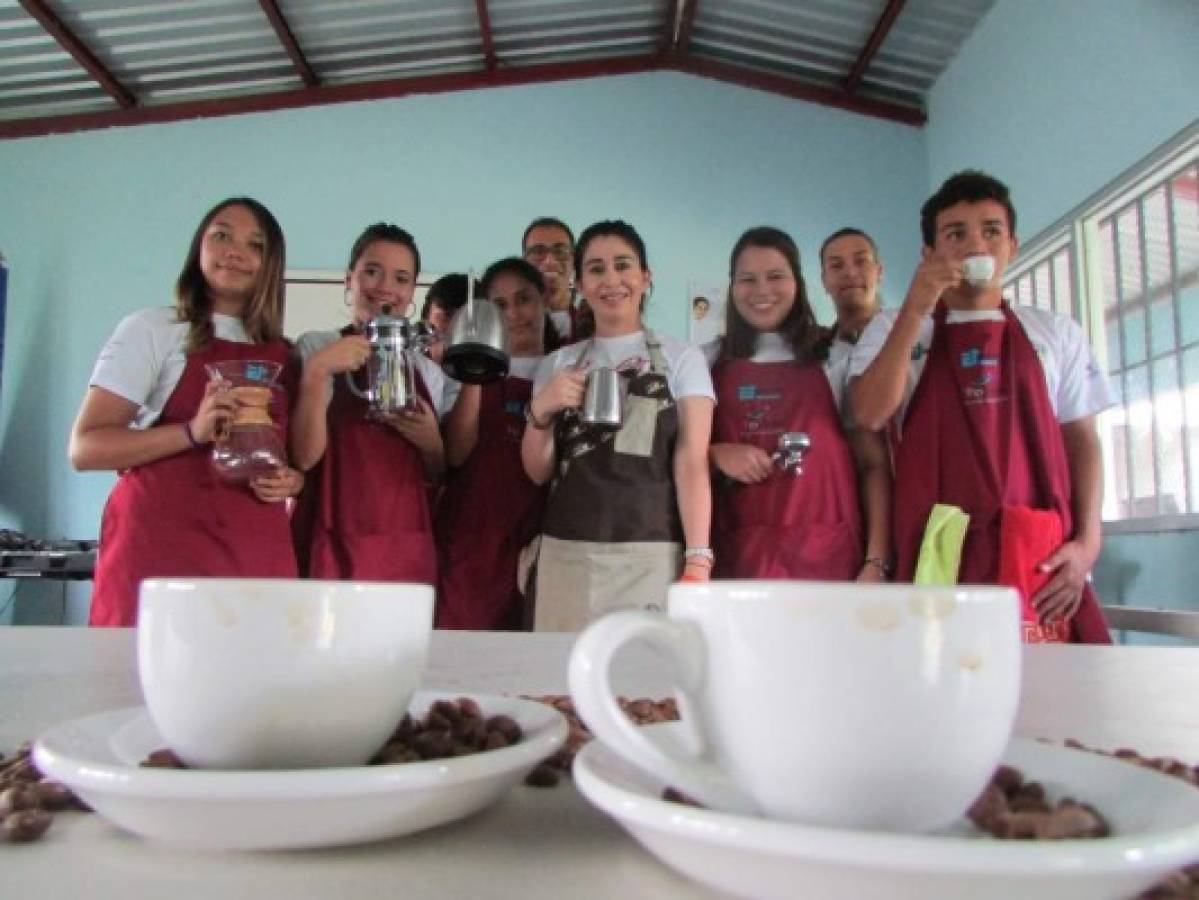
<point x="98" y="757"/>
<point x="1155" y="819"/>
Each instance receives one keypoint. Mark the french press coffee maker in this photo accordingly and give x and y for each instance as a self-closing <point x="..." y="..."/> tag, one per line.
<point x="390" y="369"/>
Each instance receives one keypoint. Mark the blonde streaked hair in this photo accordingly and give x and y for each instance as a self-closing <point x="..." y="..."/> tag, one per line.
<point x="263" y="316"/>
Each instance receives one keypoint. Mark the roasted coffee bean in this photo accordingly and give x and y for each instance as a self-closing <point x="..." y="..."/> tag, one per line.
<point x="642" y="711"/>
<point x="470" y="707"/>
<point x="447" y="710"/>
<point x="17" y="798"/>
<point x="1007" y="779"/>
<point x="163" y="759"/>
<point x="1072" y="820"/>
<point x="543" y="775"/>
<point x="53" y="795"/>
<point x="991" y="806"/>
<point x="495" y="740"/>
<point x="27" y="798"/>
<point x="505" y="725"/>
<point x="26" y="825"/>
<point x="673" y="795"/>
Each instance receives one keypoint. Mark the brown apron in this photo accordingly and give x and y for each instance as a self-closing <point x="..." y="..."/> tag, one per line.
<point x="612" y="535"/>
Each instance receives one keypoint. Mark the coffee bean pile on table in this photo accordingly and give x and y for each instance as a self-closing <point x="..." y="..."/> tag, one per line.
<point x="642" y="711"/>
<point x="1012" y="808"/>
<point x="449" y="728"/>
<point x="28" y="800"/>
<point x="1163" y="764"/>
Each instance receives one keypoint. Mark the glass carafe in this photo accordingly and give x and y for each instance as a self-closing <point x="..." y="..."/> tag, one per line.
<point x="247" y="444"/>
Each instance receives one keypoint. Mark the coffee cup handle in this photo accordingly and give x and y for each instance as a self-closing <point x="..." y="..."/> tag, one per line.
<point x="685" y="765"/>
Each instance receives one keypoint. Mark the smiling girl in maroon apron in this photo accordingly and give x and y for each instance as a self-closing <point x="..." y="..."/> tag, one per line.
<point x="981" y="434"/>
<point x="364" y="514"/>
<point x="801" y="521"/>
<point x="170" y="514"/>
<point x="490" y="510"/>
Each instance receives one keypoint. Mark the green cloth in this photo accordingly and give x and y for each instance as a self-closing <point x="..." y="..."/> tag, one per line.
<point x="941" y="549"/>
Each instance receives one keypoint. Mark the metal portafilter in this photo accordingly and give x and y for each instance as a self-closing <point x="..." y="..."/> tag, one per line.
<point x="793" y="447"/>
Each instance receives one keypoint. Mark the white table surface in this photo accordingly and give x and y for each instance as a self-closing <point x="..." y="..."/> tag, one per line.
<point x="536" y="842"/>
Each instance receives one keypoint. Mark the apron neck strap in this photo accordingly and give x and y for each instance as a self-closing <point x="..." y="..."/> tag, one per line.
<point x="657" y="360"/>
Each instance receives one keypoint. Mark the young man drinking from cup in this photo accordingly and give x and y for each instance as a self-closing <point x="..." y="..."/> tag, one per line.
<point x="992" y="410"/>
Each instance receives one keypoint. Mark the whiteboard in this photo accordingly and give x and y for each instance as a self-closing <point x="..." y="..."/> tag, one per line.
<point x="316" y="300"/>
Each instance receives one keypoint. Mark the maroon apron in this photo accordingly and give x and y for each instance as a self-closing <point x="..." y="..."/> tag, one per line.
<point x="488" y="512"/>
<point x="788" y="526"/>
<point x="176" y="517"/>
<point x="364" y="512"/>
<point x="981" y="434"/>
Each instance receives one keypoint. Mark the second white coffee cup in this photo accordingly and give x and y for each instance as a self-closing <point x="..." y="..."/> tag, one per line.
<point x="276" y="673"/>
<point x="863" y="706"/>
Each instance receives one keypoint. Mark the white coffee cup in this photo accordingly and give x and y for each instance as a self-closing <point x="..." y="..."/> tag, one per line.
<point x="880" y="707"/>
<point x="978" y="270"/>
<point x="278" y="673"/>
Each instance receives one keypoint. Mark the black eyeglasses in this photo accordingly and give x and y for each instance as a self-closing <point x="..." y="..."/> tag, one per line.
<point x="560" y="252"/>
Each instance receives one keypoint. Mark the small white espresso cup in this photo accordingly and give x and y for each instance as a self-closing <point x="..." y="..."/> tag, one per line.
<point x="882" y="707"/>
<point x="978" y="270"/>
<point x="279" y="673"/>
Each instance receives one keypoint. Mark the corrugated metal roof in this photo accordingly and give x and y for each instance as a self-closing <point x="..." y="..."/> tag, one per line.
<point x="68" y="64"/>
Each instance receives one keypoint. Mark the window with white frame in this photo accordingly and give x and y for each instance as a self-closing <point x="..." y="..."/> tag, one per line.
<point x="1126" y="265"/>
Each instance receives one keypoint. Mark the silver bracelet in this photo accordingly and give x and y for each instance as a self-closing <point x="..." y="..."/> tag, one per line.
<point x="702" y="552"/>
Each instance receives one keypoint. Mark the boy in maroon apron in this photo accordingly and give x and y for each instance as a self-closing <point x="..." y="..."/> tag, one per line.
<point x="982" y="429"/>
<point x="170" y="514"/>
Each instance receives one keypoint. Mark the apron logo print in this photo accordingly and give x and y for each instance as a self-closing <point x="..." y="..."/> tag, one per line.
<point x="747" y="391"/>
<point x="256" y="372"/>
<point x="974" y="357"/>
<point x="514" y="407"/>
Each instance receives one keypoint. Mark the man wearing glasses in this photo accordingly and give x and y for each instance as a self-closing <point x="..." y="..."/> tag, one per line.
<point x="549" y="244"/>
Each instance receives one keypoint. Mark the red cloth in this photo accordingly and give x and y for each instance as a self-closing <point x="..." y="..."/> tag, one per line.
<point x="981" y="434"/>
<point x="788" y="526"/>
<point x="1026" y="538"/>
<point x="176" y="516"/>
<point x="487" y="513"/>
<point x="364" y="512"/>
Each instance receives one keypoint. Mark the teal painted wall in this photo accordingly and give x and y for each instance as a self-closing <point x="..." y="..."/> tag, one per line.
<point x="96" y="224"/>
<point x="1058" y="98"/>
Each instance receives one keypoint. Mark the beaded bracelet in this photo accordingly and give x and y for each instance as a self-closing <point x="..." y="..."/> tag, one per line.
<point x="191" y="438"/>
